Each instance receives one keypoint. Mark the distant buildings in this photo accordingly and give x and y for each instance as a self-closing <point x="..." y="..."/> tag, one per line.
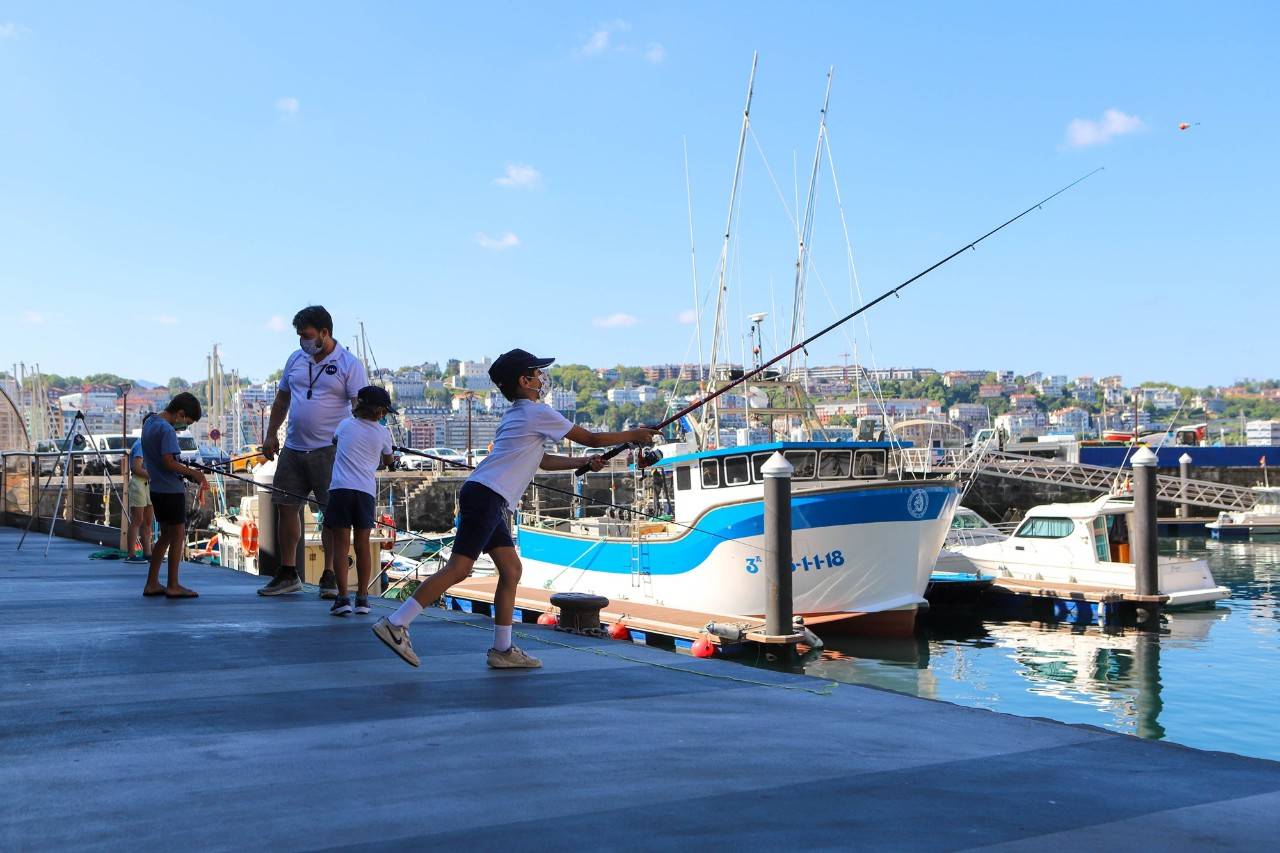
<point x="1071" y="419"/>
<point x="1262" y="433"/>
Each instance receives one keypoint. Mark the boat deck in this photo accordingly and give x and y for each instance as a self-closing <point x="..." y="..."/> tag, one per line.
<point x="237" y="722"/>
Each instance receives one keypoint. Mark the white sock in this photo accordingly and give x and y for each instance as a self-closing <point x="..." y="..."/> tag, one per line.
<point x="406" y="614"/>
<point x="502" y="637"/>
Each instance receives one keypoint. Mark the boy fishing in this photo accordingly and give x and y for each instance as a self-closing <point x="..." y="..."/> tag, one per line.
<point x="492" y="490"/>
<point x="160" y="453"/>
<point x="363" y="445"/>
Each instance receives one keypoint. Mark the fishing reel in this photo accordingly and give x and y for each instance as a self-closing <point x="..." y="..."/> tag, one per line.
<point x="646" y="456"/>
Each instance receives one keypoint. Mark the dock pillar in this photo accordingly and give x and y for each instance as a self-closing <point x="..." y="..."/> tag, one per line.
<point x="268" y="547"/>
<point x="1184" y="474"/>
<point x="1143" y="537"/>
<point x="777" y="473"/>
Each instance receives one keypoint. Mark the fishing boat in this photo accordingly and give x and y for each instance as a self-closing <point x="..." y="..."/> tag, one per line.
<point x="1087" y="543"/>
<point x="1262" y="519"/>
<point x="955" y="580"/>
<point x="863" y="543"/>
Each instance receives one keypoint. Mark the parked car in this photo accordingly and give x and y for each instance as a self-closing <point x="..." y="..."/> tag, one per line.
<point x="214" y="456"/>
<point x="248" y="458"/>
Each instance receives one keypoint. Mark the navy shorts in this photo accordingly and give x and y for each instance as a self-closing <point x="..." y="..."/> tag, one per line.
<point x="170" y="507"/>
<point x="349" y="508"/>
<point x="482" y="525"/>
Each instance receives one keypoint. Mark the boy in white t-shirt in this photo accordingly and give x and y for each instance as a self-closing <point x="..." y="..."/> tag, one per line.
<point x="363" y="445"/>
<point x="491" y="491"/>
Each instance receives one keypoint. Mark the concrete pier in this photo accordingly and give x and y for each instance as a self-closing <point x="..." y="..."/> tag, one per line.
<point x="234" y="721"/>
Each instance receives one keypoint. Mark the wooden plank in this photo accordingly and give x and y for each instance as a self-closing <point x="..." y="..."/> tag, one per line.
<point x="668" y="621"/>
<point x="1070" y="591"/>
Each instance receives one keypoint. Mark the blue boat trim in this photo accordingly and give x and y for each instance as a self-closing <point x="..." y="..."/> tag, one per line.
<point x="846" y="506"/>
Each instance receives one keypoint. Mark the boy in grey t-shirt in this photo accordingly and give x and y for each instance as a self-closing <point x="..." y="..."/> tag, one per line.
<point x="494" y="489"/>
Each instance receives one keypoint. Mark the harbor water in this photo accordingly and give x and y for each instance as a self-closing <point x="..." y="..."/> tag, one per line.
<point x="1211" y="679"/>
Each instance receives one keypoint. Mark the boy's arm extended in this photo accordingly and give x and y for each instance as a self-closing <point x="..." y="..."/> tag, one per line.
<point x="569" y="463"/>
<point x="171" y="463"/>
<point x="584" y="436"/>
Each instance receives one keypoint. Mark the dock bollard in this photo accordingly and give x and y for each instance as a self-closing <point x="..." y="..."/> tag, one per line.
<point x="1143" y="536"/>
<point x="777" y="473"/>
<point x="268" y="548"/>
<point x="1184" y="474"/>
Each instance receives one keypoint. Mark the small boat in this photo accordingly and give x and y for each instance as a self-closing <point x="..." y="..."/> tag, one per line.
<point x="1087" y="543"/>
<point x="1262" y="519"/>
<point x="956" y="581"/>
<point x="863" y="542"/>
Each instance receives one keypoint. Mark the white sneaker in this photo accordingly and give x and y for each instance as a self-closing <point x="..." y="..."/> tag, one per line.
<point x="512" y="658"/>
<point x="397" y="639"/>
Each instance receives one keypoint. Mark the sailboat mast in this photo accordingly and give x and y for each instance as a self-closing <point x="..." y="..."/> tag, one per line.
<point x="806" y="230"/>
<point x="712" y="423"/>
<point x="693" y="263"/>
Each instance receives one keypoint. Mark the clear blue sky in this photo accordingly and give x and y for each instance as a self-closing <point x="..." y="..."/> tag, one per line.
<point x="465" y="181"/>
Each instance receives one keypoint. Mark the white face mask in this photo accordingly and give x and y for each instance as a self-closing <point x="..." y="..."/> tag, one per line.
<point x="544" y="390"/>
<point x="311" y="346"/>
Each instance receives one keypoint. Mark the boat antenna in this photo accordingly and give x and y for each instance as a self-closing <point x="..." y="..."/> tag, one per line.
<point x="894" y="291"/>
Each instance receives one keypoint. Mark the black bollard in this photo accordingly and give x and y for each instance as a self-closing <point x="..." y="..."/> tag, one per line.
<point x="1143" y="537"/>
<point x="777" y="545"/>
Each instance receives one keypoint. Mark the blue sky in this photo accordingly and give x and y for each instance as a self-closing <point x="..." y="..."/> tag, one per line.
<point x="174" y="175"/>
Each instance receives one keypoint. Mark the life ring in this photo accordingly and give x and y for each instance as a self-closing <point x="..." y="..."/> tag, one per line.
<point x="390" y="523"/>
<point x="249" y="538"/>
<point x="209" y="546"/>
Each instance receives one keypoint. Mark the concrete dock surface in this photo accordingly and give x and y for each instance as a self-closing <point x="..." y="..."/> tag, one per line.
<point x="237" y="722"/>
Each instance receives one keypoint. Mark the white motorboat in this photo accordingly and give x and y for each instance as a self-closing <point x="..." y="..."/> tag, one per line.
<point x="1262" y="519"/>
<point x="1087" y="543"/>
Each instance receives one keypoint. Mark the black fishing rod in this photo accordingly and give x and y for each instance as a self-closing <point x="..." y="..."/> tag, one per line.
<point x="694" y="406"/>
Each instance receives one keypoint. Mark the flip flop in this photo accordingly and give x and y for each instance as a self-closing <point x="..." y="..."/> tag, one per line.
<point x="191" y="593"/>
<point x="154" y="593"/>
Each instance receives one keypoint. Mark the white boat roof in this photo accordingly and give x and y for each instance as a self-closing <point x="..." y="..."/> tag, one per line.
<point x="1105" y="505"/>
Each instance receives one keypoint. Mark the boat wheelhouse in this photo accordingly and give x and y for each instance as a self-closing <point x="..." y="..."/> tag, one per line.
<point x="863" y="542"/>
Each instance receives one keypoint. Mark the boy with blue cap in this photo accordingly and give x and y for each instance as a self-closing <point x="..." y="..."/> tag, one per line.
<point x="492" y="490"/>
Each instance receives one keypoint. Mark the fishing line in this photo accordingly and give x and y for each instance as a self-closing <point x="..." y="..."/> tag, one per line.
<point x="894" y="291"/>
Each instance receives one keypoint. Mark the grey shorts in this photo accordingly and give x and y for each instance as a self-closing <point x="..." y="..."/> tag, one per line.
<point x="303" y="472"/>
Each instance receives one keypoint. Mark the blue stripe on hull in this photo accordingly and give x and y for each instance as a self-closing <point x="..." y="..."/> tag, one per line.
<point x="737" y="521"/>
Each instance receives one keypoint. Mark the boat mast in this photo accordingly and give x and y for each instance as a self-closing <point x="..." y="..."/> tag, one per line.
<point x="711" y="424"/>
<point x="805" y="231"/>
<point x="693" y="263"/>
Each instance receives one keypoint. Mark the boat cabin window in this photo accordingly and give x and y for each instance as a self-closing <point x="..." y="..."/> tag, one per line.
<point x="736" y="471"/>
<point x="710" y="473"/>
<point x="757" y="466"/>
<point x="965" y="521"/>
<point x="804" y="461"/>
<point x="1100" y="548"/>
<point x="1043" y="527"/>
<point x="835" y="464"/>
<point x="869" y="463"/>
<point x="683" y="480"/>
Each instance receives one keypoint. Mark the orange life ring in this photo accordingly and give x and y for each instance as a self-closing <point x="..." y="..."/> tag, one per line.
<point x="249" y="538"/>
<point x="208" y="547"/>
<point x="391" y="525"/>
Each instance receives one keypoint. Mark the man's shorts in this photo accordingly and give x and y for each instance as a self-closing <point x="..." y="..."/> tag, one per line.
<point x="349" y="508"/>
<point x="482" y="525"/>
<point x="170" y="507"/>
<point x="302" y="472"/>
<point x="139" y="492"/>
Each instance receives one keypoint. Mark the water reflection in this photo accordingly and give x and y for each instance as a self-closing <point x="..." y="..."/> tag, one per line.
<point x="1210" y="678"/>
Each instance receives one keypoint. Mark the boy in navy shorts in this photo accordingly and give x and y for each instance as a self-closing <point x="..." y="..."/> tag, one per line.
<point x="363" y="446"/>
<point x="491" y="491"/>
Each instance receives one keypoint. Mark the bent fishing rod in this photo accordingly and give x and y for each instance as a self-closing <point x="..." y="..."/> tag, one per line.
<point x="697" y="404"/>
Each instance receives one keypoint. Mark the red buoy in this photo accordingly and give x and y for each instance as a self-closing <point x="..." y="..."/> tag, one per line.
<point x="619" y="631"/>
<point x="548" y="618"/>
<point x="703" y="648"/>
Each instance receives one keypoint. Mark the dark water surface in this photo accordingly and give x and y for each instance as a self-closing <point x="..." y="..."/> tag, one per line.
<point x="1210" y="680"/>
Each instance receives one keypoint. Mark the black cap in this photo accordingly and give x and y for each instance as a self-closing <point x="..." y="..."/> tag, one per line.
<point x="375" y="395"/>
<point x="513" y="364"/>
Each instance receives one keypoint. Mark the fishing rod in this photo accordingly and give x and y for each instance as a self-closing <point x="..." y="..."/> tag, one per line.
<point x="697" y="404"/>
<point x="570" y="494"/>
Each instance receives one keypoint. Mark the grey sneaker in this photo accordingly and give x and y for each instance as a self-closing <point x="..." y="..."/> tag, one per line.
<point x="328" y="585"/>
<point x="512" y="658"/>
<point x="397" y="639"/>
<point x="282" y="585"/>
<point x="362" y="606"/>
<point x="341" y="607"/>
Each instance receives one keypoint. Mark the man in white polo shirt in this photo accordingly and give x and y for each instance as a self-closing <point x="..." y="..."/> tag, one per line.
<point x="319" y="382"/>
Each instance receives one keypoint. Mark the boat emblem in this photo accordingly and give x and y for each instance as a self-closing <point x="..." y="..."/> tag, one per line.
<point x="917" y="503"/>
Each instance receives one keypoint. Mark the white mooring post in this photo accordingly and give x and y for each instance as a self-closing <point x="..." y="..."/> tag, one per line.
<point x="777" y="473"/>
<point x="1184" y="474"/>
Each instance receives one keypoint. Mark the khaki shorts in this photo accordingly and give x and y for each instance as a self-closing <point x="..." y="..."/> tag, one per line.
<point x="303" y="472"/>
<point x="139" y="492"/>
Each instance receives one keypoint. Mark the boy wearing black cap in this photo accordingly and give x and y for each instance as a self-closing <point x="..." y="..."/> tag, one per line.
<point x="363" y="445"/>
<point x="491" y="491"/>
